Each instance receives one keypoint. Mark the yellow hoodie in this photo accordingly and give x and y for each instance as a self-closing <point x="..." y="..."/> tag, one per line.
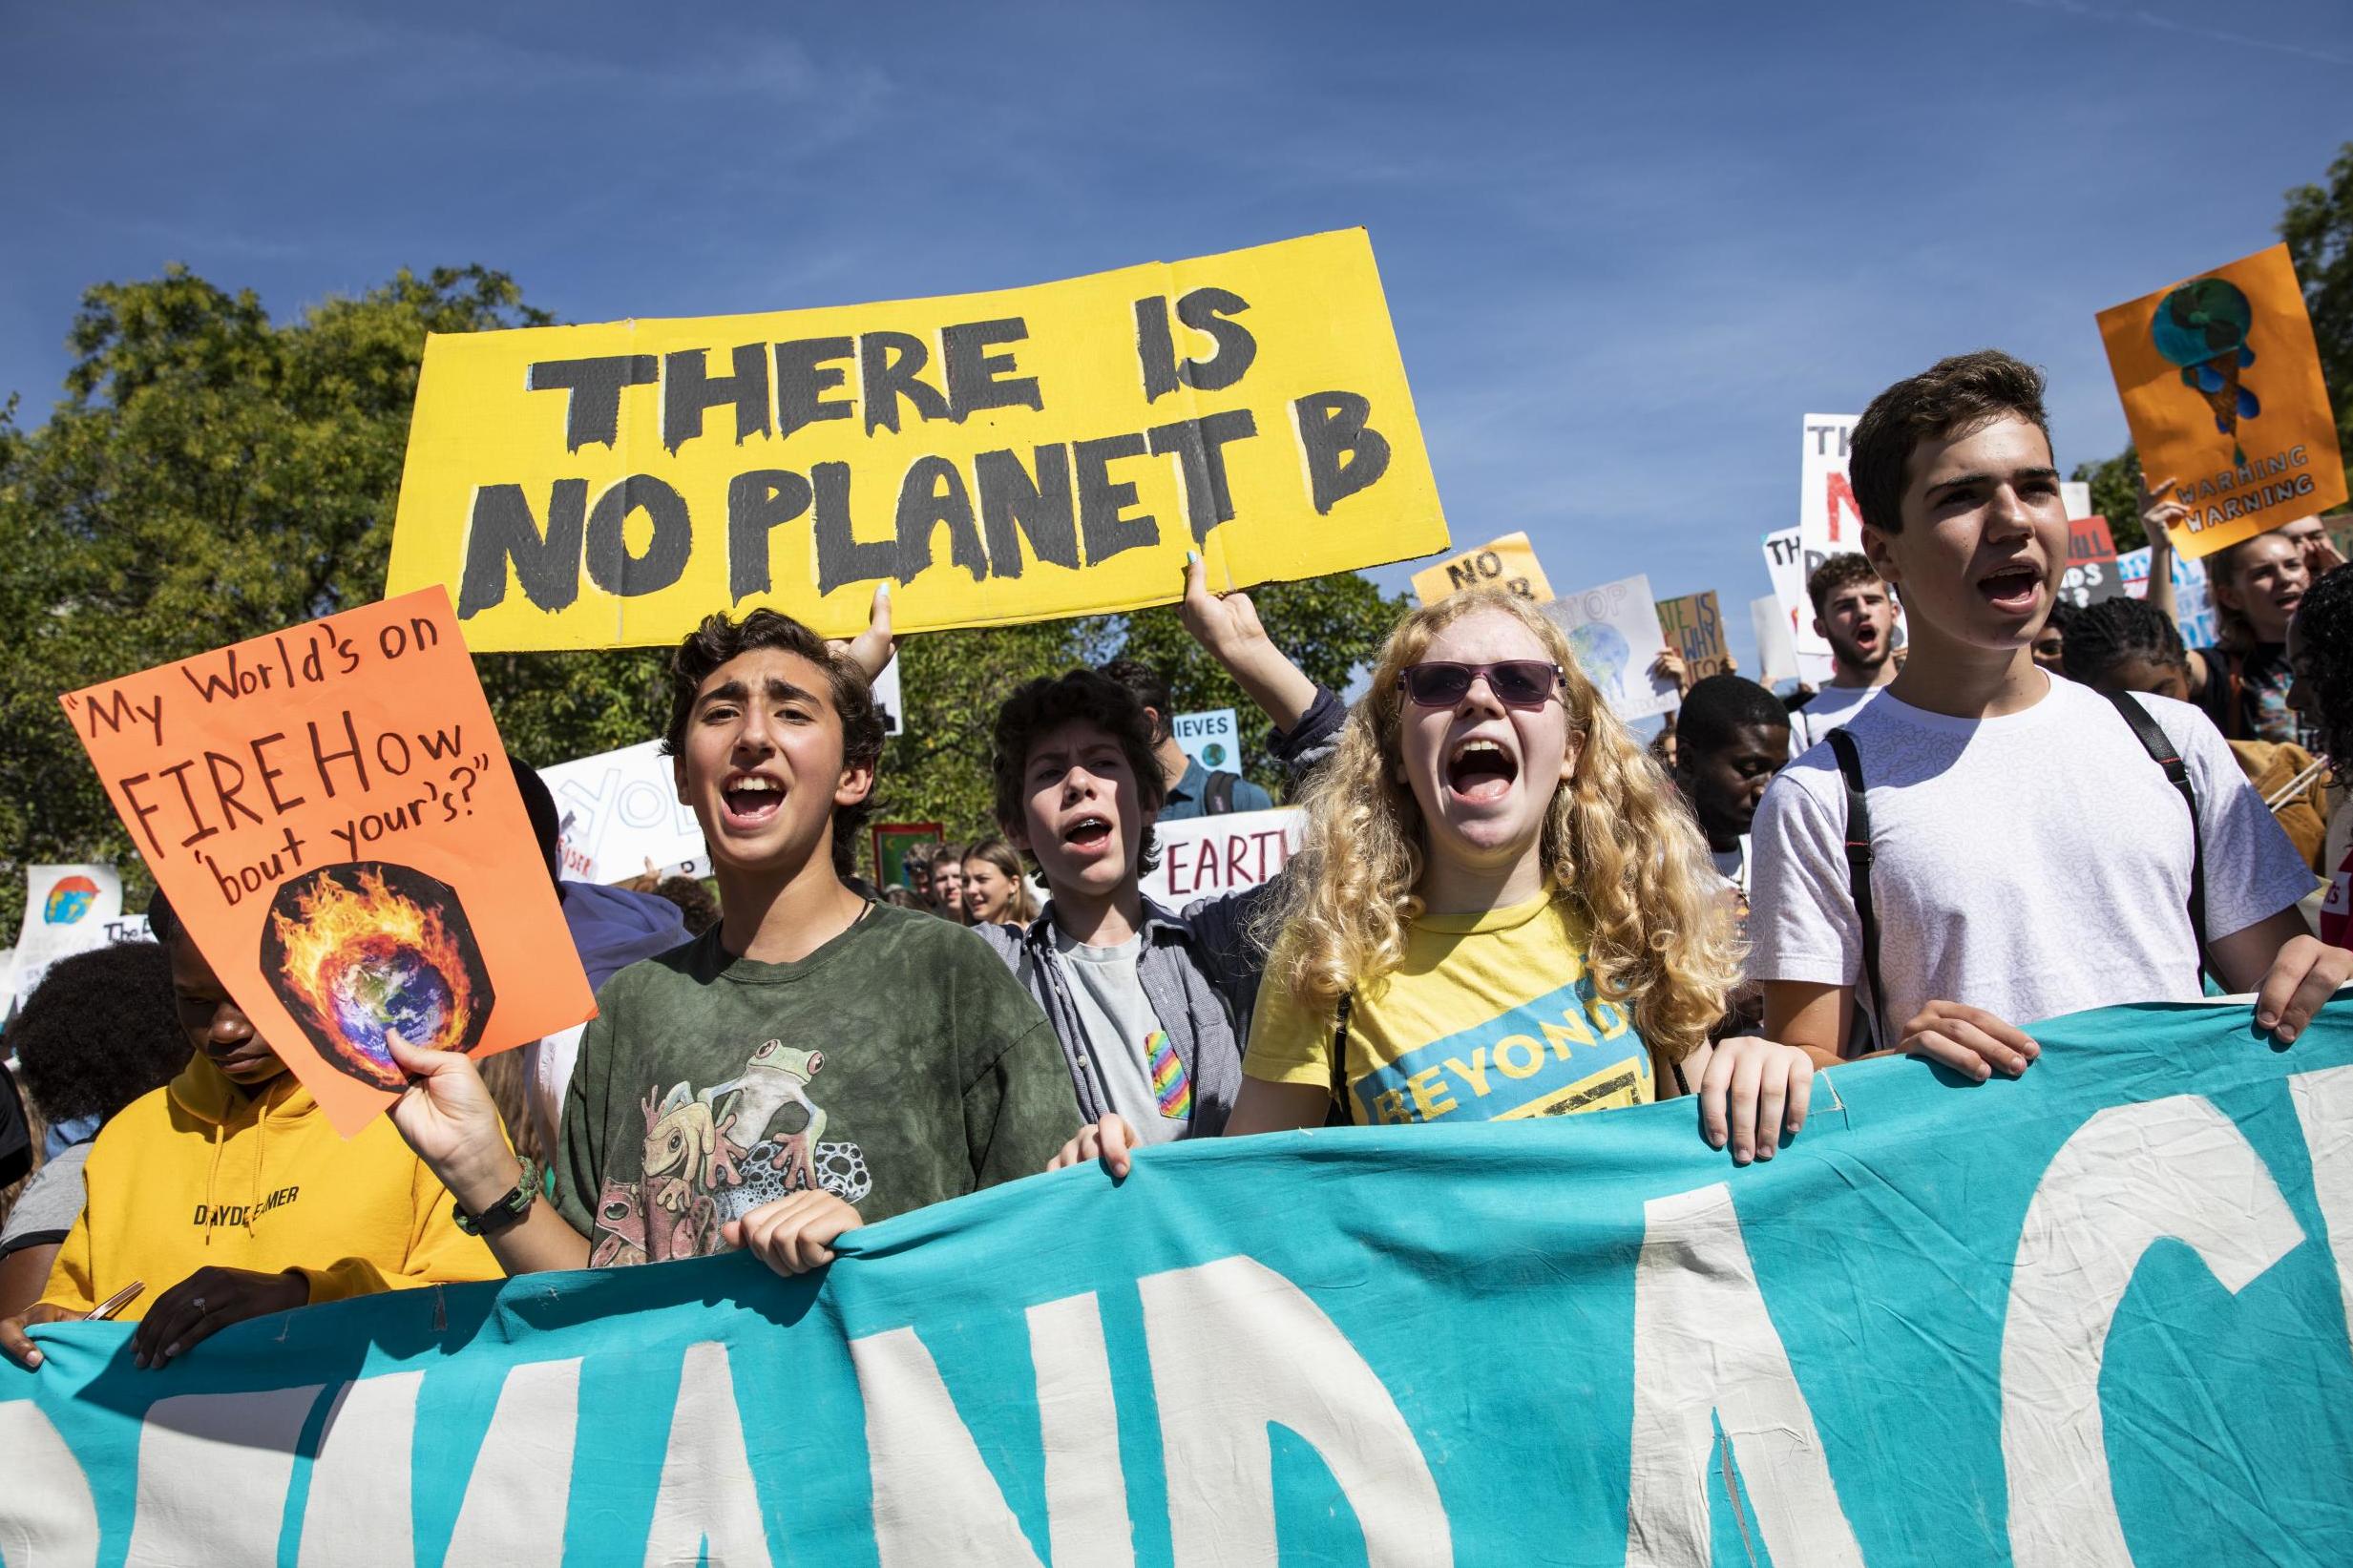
<point x="201" y="1173"/>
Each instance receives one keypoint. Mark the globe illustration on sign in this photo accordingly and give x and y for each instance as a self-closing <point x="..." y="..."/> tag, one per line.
<point x="70" y="900"/>
<point x="1213" y="756"/>
<point x="1601" y="652"/>
<point x="360" y="951"/>
<point x="2203" y="327"/>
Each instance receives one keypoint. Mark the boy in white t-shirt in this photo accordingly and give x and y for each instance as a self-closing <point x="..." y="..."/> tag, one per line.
<point x="2029" y="854"/>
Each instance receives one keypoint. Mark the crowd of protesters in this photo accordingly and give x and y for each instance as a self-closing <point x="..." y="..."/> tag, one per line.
<point x="1505" y="905"/>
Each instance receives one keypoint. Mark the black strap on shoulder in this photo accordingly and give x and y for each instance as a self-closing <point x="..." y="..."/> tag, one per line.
<point x="1340" y="1115"/>
<point x="2168" y="756"/>
<point x="1217" y="799"/>
<point x="1858" y="866"/>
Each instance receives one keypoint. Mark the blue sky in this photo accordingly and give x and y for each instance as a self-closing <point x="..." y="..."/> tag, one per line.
<point x="1625" y="248"/>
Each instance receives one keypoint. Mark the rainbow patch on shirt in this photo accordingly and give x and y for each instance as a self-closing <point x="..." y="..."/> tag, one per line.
<point x="1169" y="1085"/>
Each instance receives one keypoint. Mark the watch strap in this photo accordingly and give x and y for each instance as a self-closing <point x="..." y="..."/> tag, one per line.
<point x="508" y="1211"/>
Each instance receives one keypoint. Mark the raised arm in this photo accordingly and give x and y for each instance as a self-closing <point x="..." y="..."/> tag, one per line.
<point x="1228" y="626"/>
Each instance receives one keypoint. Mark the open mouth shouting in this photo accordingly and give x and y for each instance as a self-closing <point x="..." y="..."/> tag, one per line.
<point x="750" y="800"/>
<point x="2013" y="590"/>
<point x="1479" y="770"/>
<point x="1088" y="836"/>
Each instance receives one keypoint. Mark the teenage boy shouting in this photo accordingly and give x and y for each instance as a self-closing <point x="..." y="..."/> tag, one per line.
<point x="814" y="1060"/>
<point x="2030" y="856"/>
<point x="1149" y="1006"/>
<point x="1855" y="614"/>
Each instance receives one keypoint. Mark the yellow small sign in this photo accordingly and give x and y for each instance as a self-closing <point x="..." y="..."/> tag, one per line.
<point x="1509" y="562"/>
<point x="995" y="458"/>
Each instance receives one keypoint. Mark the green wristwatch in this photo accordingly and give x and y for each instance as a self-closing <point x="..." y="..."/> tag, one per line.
<point x="508" y="1210"/>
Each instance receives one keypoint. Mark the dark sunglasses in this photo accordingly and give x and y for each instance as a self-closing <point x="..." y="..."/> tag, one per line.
<point x="1517" y="682"/>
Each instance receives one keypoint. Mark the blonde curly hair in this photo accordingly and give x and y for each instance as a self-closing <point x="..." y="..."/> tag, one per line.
<point x="1619" y="847"/>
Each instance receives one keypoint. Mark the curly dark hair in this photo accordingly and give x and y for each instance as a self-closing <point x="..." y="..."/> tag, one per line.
<point x="2101" y="635"/>
<point x="718" y="639"/>
<point x="100" y="1031"/>
<point x="1844" y="570"/>
<point x="1047" y="703"/>
<point x="2323" y="631"/>
<point x="1961" y="393"/>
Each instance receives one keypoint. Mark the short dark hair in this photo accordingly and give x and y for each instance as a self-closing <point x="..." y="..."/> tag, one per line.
<point x="1149" y="688"/>
<point x="1953" y="395"/>
<point x="1844" y="570"/>
<point x="694" y="901"/>
<point x="547" y="826"/>
<point x="163" y="920"/>
<point x="100" y="1031"/>
<point x="2100" y="636"/>
<point x="2324" y="636"/>
<point x="1097" y="697"/>
<point x="718" y="639"/>
<point x="1715" y="707"/>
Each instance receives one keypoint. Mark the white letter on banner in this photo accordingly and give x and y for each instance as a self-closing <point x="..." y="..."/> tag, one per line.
<point x="520" y="1491"/>
<point x="213" y="1475"/>
<point x="1706" y="1352"/>
<point x="2324" y="1107"/>
<point x="2131" y="1176"/>
<point x="51" y="1518"/>
<point x="934" y="1500"/>
<point x="1079" y="1422"/>
<point x="358" y="1509"/>
<point x="707" y="1509"/>
<point x="1234" y="1347"/>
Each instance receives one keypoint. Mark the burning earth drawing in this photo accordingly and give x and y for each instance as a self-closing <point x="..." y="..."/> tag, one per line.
<point x="358" y="950"/>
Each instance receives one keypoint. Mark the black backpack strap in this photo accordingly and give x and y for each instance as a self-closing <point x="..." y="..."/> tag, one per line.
<point x="1217" y="799"/>
<point x="2168" y="756"/>
<point x="1339" y="1059"/>
<point x="1858" y="866"/>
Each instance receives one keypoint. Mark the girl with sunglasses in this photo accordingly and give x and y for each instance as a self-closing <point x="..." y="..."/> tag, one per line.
<point x="1501" y="909"/>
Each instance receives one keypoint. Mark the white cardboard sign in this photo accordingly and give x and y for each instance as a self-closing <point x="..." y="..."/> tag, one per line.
<point x="1202" y="857"/>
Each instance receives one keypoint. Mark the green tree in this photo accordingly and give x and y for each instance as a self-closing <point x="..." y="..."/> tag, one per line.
<point x="212" y="476"/>
<point x="2318" y="231"/>
<point x="2317" y="228"/>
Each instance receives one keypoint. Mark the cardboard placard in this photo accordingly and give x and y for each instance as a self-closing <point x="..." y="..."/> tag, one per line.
<point x="1785" y="567"/>
<point x="1509" y="562"/>
<point x="1695" y="629"/>
<point x="1614" y="632"/>
<point x="997" y="458"/>
<point x="892" y="842"/>
<point x="618" y="812"/>
<point x="331" y="814"/>
<point x="2193" y="611"/>
<point x="68" y="909"/>
<point x="1773" y="651"/>
<point x="2092" y="573"/>
<point x="1202" y="857"/>
<point x="2222" y="391"/>
<point x="1213" y="739"/>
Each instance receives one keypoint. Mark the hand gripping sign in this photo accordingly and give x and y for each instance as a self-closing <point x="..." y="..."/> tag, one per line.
<point x="331" y="814"/>
<point x="995" y="458"/>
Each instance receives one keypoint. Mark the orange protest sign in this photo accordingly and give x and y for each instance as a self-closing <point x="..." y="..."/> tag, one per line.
<point x="333" y="819"/>
<point x="2222" y="390"/>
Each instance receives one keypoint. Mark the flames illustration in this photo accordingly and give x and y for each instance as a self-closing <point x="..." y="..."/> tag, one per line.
<point x="360" y="949"/>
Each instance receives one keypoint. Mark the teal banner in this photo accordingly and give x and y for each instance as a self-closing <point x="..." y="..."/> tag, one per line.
<point x="2093" y="1317"/>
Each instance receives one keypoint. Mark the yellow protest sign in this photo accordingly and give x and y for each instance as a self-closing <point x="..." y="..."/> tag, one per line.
<point x="995" y="458"/>
<point x="2222" y="391"/>
<point x="1509" y="562"/>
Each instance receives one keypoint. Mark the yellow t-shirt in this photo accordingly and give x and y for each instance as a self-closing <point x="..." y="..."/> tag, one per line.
<point x="1491" y="1017"/>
